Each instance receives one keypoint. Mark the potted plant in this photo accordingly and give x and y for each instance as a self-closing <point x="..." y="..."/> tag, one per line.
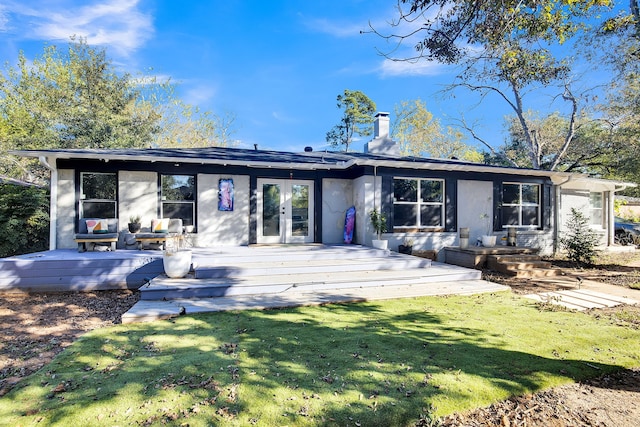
<point x="488" y="240"/>
<point x="406" y="247"/>
<point x="175" y="259"/>
<point x="379" y="223"/>
<point x="134" y="224"/>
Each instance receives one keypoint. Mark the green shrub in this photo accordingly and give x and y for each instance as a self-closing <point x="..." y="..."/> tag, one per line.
<point x="24" y="219"/>
<point x="580" y="241"/>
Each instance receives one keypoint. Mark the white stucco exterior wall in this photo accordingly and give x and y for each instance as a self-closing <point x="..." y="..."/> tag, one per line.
<point x="137" y="196"/>
<point x="65" y="227"/>
<point x="225" y="228"/>
<point x="475" y="198"/>
<point x="337" y="197"/>
<point x="579" y="199"/>
<point x="366" y="196"/>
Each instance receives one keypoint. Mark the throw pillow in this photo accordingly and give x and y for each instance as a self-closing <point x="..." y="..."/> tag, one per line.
<point x="97" y="226"/>
<point x="160" y="225"/>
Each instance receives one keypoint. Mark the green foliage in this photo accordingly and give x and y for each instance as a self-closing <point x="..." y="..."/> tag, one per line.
<point x="455" y="25"/>
<point x="378" y="221"/>
<point x="356" y="120"/>
<point x="385" y="363"/>
<point x="506" y="49"/>
<point x="24" y="219"/>
<point x="419" y="134"/>
<point x="73" y="99"/>
<point x="579" y="241"/>
<point x="76" y="98"/>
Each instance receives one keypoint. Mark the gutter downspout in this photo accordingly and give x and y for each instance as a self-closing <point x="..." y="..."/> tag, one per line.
<point x="53" y="205"/>
<point x="556" y="215"/>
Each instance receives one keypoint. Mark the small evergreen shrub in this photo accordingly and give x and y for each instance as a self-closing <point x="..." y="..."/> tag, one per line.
<point x="24" y="219"/>
<point x="580" y="240"/>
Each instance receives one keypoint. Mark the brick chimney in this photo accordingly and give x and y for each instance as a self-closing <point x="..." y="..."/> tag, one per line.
<point x="381" y="143"/>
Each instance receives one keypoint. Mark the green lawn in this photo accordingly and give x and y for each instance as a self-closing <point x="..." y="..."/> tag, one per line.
<point x="379" y="363"/>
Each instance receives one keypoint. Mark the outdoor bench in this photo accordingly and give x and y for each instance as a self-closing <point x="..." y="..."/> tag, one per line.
<point x="174" y="229"/>
<point x="85" y="238"/>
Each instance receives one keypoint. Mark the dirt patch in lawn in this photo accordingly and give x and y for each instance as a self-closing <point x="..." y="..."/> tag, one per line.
<point x="36" y="327"/>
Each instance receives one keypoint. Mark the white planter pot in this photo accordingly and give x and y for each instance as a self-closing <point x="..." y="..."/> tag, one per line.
<point x="176" y="264"/>
<point x="379" y="244"/>
<point x="488" y="241"/>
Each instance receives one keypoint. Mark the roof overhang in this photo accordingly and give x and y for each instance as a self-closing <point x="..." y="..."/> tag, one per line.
<point x="51" y="156"/>
<point x="316" y="160"/>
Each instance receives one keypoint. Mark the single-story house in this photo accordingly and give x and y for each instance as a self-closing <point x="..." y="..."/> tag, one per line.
<point x="229" y="196"/>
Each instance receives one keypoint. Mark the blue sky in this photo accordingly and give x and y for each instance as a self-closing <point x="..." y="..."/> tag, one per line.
<point x="277" y="65"/>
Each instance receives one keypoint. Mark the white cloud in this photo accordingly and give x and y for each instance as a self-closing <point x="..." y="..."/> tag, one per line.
<point x="4" y="19"/>
<point x="421" y="67"/>
<point x="200" y="94"/>
<point x="335" y="29"/>
<point x="120" y="24"/>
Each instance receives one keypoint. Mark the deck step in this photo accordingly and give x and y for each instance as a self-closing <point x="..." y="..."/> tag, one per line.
<point x="217" y="268"/>
<point x="522" y="265"/>
<point x="510" y="266"/>
<point x="269" y="254"/>
<point x="150" y="310"/>
<point x="535" y="272"/>
<point x="163" y="287"/>
<point x="494" y="260"/>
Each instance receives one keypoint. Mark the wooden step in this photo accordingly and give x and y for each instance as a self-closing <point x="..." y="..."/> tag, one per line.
<point x="534" y="272"/>
<point x="162" y="287"/>
<point x="149" y="310"/>
<point x="209" y="269"/>
<point x="506" y="266"/>
<point x="494" y="260"/>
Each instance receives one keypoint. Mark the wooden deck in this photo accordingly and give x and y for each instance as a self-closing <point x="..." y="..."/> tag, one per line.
<point x="225" y="270"/>
<point x="69" y="270"/>
<point x="476" y="256"/>
<point x="230" y="278"/>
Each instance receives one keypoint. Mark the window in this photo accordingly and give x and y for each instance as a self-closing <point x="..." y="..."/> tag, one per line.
<point x="595" y="209"/>
<point x="520" y="205"/>
<point x="418" y="203"/>
<point x="98" y="195"/>
<point x="179" y="197"/>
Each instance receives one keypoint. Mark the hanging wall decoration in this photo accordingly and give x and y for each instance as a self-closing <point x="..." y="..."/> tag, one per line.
<point x="225" y="195"/>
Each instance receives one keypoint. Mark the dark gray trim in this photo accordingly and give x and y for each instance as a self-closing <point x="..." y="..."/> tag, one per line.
<point x="195" y="201"/>
<point x="253" y="210"/>
<point x="546" y="202"/>
<point x="497" y="206"/>
<point x="77" y="189"/>
<point x="451" y="205"/>
<point x="386" y="201"/>
<point x="317" y="210"/>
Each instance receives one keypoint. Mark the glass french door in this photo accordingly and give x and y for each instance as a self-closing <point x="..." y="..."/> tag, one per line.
<point x="285" y="211"/>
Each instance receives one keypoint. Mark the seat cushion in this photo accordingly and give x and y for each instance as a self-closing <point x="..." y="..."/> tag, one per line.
<point x="95" y="236"/>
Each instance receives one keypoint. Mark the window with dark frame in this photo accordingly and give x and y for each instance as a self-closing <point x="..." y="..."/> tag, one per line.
<point x="98" y="195"/>
<point x="178" y="194"/>
<point x="520" y="205"/>
<point x="418" y="203"/>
